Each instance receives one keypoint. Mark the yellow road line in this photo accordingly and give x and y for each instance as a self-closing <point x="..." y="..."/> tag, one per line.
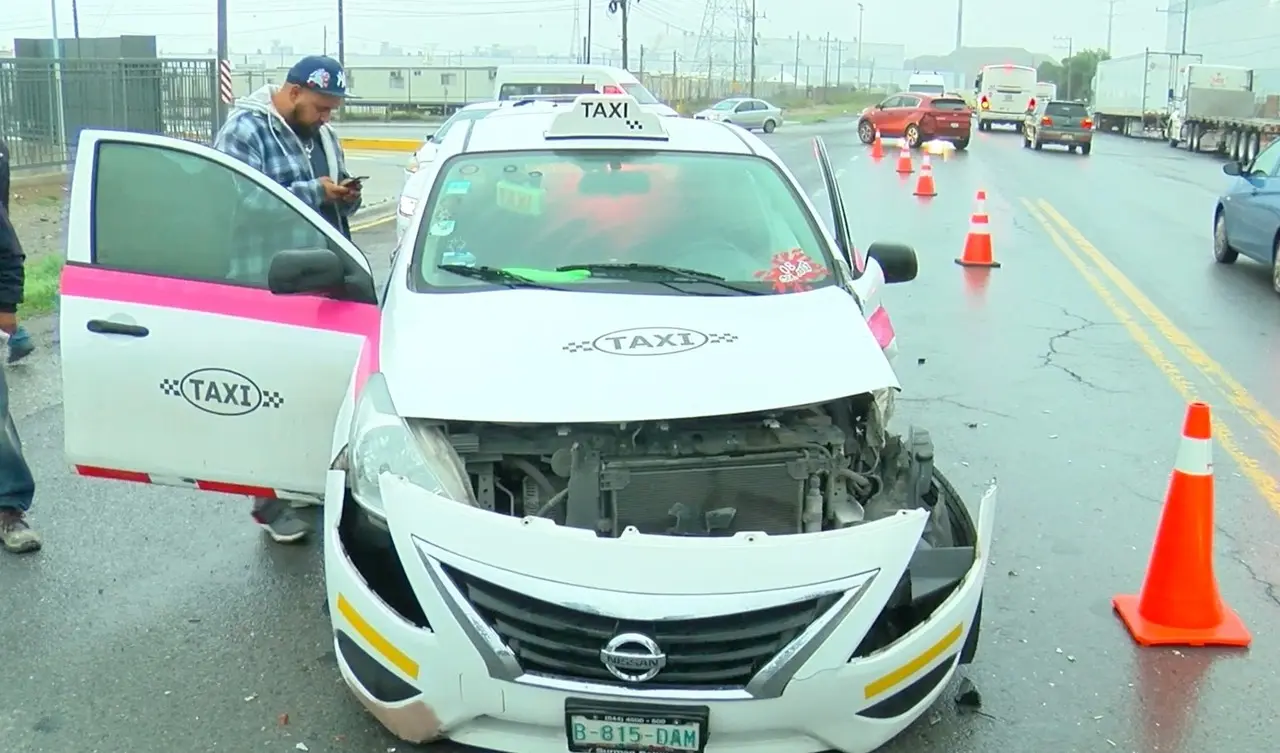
<point x="1252" y="470"/>
<point x="373" y="223"/>
<point x="1248" y="406"/>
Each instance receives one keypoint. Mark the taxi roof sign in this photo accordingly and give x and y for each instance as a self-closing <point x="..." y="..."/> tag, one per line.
<point x="607" y="116"/>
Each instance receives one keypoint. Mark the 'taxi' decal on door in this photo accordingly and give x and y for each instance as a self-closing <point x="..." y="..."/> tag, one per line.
<point x="221" y="392"/>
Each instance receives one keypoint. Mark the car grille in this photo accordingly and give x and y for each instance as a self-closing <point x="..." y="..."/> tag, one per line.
<point x="713" y="652"/>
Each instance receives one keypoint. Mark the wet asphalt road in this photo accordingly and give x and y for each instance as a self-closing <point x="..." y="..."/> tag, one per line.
<point x="158" y="620"/>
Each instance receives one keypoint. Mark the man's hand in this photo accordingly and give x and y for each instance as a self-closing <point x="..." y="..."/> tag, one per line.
<point x="353" y="193"/>
<point x="8" y="322"/>
<point x="334" y="192"/>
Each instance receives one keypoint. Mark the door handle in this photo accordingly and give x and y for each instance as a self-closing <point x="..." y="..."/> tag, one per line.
<point x="104" y="327"/>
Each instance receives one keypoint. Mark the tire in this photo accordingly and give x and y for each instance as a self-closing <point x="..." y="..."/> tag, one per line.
<point x="1223" y="253"/>
<point x="770" y="126"/>
<point x="912" y="135"/>
<point x="1037" y="145"/>
<point x="962" y="145"/>
<point x="866" y="132"/>
<point x="1275" y="265"/>
<point x="1085" y="149"/>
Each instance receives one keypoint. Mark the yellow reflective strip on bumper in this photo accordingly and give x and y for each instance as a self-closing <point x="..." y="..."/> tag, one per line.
<point x="915" y="665"/>
<point x="398" y="658"/>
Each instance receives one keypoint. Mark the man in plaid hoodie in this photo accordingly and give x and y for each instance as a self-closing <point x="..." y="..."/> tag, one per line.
<point x="284" y="132"/>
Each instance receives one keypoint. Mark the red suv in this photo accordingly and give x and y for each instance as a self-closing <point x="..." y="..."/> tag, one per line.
<point x="918" y="118"/>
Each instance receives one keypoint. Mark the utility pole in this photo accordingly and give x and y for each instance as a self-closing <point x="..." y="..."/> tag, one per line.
<point x="75" y="22"/>
<point x="861" y="10"/>
<point x="622" y="6"/>
<point x="839" y="61"/>
<point x="959" y="23"/>
<point x="796" y="73"/>
<point x="640" y="71"/>
<point x="826" y="67"/>
<point x="342" y="37"/>
<point x="1186" y="16"/>
<point x="1067" y="61"/>
<point x="57" y="78"/>
<point x="586" y="52"/>
<point x="223" y="54"/>
<point x="754" y="41"/>
<point x="1111" y="22"/>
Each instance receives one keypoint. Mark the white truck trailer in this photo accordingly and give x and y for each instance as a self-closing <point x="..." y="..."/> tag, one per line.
<point x="1133" y="95"/>
<point x="1215" y="110"/>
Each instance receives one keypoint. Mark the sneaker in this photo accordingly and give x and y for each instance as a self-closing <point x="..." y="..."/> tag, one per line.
<point x="20" y="345"/>
<point x="279" y="520"/>
<point x="15" y="533"/>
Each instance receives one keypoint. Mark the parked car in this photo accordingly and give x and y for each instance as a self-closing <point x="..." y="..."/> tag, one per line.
<point x="747" y="112"/>
<point x="1058" y="122"/>
<point x="918" y="118"/>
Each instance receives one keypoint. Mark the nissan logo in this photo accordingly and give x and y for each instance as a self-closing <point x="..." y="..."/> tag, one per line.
<point x="633" y="657"/>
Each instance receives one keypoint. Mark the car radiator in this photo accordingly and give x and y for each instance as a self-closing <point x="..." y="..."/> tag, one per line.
<point x="706" y="496"/>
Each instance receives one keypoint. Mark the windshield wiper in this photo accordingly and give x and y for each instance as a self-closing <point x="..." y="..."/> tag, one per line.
<point x="659" y="273"/>
<point x="494" y="275"/>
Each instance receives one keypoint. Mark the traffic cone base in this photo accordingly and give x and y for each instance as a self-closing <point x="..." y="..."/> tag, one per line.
<point x="924" y="185"/>
<point x="989" y="264"/>
<point x="1179" y="603"/>
<point x="1229" y="632"/>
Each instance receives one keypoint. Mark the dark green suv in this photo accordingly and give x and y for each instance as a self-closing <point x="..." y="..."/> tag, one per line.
<point x="1058" y="122"/>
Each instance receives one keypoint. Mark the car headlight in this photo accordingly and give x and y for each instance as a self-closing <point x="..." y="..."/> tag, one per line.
<point x="413" y="164"/>
<point x="382" y="443"/>
<point x="407" y="205"/>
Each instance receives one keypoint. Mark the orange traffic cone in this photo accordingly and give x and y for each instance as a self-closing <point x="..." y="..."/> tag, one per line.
<point x="977" y="244"/>
<point x="924" y="184"/>
<point x="1179" y="603"/>
<point x="904" y="160"/>
<point x="877" y="149"/>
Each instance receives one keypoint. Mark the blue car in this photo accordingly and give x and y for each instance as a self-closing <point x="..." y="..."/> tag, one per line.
<point x="1247" y="220"/>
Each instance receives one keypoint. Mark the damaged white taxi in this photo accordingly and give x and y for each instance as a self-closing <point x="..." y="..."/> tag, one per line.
<point x="605" y="463"/>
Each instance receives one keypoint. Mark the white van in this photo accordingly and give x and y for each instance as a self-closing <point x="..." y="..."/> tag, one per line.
<point x="1005" y="93"/>
<point x="514" y="81"/>
<point x="1046" y="90"/>
<point x="927" y="83"/>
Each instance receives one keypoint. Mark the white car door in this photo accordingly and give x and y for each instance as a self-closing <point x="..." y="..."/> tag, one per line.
<point x="179" y="365"/>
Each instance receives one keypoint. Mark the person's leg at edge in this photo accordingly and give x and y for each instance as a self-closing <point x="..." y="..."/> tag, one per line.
<point x="17" y="487"/>
<point x="278" y="519"/>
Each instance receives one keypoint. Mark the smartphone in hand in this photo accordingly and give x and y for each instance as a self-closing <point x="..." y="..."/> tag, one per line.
<point x="356" y="182"/>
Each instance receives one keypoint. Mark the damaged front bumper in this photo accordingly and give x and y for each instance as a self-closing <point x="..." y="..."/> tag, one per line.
<point x="455" y="671"/>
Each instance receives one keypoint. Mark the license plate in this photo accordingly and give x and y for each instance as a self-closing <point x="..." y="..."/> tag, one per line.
<point x="1068" y="137"/>
<point x="1008" y="98"/>
<point x="955" y="125"/>
<point x="594" y="727"/>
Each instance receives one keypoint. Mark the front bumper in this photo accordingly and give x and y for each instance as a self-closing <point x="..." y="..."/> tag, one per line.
<point x="447" y="681"/>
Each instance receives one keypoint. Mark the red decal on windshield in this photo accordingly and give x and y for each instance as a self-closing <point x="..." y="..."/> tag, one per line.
<point x="792" y="271"/>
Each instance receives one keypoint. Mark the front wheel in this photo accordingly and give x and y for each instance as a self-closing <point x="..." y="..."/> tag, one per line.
<point x="913" y="136"/>
<point x="770" y="126"/>
<point x="1275" y="265"/>
<point x="866" y="132"/>
<point x="1223" y="253"/>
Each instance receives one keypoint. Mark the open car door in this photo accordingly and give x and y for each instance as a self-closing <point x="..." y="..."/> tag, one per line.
<point x="179" y="365"/>
<point x="866" y="277"/>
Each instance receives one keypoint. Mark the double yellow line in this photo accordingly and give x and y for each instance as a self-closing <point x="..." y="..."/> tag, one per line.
<point x="1093" y="266"/>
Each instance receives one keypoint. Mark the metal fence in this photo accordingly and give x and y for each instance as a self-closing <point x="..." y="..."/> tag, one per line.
<point x="173" y="97"/>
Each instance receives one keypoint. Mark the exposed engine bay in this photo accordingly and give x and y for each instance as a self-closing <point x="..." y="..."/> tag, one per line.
<point x="795" y="470"/>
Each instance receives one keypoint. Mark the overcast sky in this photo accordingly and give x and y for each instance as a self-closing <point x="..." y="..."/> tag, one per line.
<point x="925" y="26"/>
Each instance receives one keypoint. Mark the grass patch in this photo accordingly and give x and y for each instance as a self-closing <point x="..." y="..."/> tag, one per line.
<point x="847" y="106"/>
<point x="40" y="294"/>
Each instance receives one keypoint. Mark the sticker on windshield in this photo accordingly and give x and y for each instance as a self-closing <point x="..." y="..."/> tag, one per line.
<point x="457" y="187"/>
<point x="468" y="170"/>
<point x="518" y="199"/>
<point x="792" y="271"/>
<point x="442" y="228"/>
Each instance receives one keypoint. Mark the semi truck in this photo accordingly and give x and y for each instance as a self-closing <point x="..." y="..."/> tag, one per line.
<point x="1215" y="112"/>
<point x="1133" y="95"/>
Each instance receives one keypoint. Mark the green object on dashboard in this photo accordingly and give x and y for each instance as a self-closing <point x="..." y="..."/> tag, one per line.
<point x="549" y="275"/>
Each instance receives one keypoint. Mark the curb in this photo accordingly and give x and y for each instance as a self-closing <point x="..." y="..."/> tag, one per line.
<point x="380" y="145"/>
<point x="369" y="216"/>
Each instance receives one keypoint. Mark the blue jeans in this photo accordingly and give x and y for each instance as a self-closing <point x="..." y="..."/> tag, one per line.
<point x="17" y="487"/>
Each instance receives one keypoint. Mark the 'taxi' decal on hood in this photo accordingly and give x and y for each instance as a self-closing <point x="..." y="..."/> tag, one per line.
<point x="649" y="341"/>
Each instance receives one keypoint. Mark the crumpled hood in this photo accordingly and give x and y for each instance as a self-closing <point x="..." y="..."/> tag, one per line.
<point x="536" y="356"/>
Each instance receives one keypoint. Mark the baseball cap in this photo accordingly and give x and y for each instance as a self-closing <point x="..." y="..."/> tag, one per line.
<point x="319" y="73"/>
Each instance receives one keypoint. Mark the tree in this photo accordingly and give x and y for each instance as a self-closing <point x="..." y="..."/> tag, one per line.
<point x="1074" y="75"/>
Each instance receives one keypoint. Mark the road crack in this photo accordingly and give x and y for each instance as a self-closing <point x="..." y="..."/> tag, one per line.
<point x="952" y="401"/>
<point x="1047" y="358"/>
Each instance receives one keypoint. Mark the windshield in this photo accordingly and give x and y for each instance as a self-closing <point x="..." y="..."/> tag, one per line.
<point x="735" y="217"/>
<point x="927" y="88"/>
<point x="461" y="116"/>
<point x="1066" y="110"/>
<point x="727" y="104"/>
<point x="952" y="105"/>
<point x="515" y="91"/>
<point x="642" y="95"/>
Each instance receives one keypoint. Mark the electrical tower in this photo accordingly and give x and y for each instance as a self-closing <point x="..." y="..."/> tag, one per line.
<point x="719" y="18"/>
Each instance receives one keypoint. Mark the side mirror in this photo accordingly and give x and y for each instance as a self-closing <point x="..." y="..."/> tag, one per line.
<point x="431" y="138"/>
<point x="880" y="106"/>
<point x="897" y="261"/>
<point x="1232" y="168"/>
<point x="305" y="270"/>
